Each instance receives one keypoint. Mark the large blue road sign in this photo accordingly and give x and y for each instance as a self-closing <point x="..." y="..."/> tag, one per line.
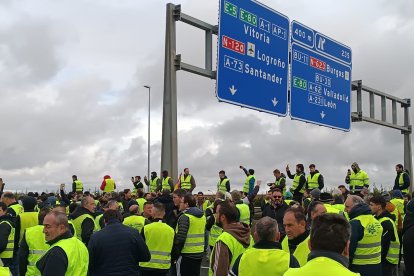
<point x="320" y="79"/>
<point x="253" y="56"/>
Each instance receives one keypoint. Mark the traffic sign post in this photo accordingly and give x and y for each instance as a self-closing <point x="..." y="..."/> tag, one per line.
<point x="320" y="79"/>
<point x="253" y="56"/>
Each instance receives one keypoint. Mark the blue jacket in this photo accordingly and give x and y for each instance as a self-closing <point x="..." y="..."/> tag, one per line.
<point x="116" y="248"/>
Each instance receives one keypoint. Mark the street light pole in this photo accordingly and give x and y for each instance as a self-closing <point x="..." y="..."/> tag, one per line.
<point x="149" y="131"/>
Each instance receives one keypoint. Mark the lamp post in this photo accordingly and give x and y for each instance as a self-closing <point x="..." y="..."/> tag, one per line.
<point x="149" y="131"/>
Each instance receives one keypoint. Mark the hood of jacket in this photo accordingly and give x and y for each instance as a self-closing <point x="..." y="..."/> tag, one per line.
<point x="240" y="231"/>
<point x="360" y="209"/>
<point x="79" y="211"/>
<point x="194" y="211"/>
<point x="390" y="207"/>
<point x="107" y="177"/>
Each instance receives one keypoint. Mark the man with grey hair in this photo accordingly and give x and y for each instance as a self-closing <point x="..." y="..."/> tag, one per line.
<point x="266" y="257"/>
<point x="366" y="233"/>
<point x="83" y="219"/>
<point x="66" y="255"/>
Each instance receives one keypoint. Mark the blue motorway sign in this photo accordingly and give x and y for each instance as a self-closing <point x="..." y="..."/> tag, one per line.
<point x="253" y="56"/>
<point x="320" y="79"/>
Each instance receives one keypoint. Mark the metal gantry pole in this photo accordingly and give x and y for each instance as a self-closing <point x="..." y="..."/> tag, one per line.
<point x="149" y="132"/>
<point x="169" y="147"/>
<point x="408" y="161"/>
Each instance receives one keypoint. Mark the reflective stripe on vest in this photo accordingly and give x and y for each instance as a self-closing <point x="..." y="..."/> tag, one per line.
<point x="368" y="249"/>
<point x="295" y="184"/>
<point x="165" y="185"/>
<point x="36" y="243"/>
<point x="393" y="253"/>
<point x="194" y="242"/>
<point x="77" y="223"/>
<point x="153" y="184"/>
<point x="221" y="186"/>
<point x="215" y="232"/>
<point x="267" y="261"/>
<point x="27" y="219"/>
<point x="301" y="252"/>
<point x="136" y="222"/>
<point x="160" y="246"/>
<point x="358" y="180"/>
<point x="77" y="255"/>
<point x="246" y="186"/>
<point x="78" y="185"/>
<point x="401" y="183"/>
<point x="185" y="182"/>
<point x="7" y="253"/>
<point x="313" y="181"/>
<point x="109" y="185"/>
<point x="244" y="213"/>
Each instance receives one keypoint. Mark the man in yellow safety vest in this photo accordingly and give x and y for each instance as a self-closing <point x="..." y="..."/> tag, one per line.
<point x="365" y="244"/>
<point x="223" y="184"/>
<point x="77" y="185"/>
<point x="299" y="182"/>
<point x="33" y="246"/>
<point x="234" y="240"/>
<point x="402" y="180"/>
<point x="154" y="183"/>
<point x="67" y="255"/>
<point x="188" y="249"/>
<point x="83" y="219"/>
<point x="250" y="181"/>
<point x="390" y="243"/>
<point x="297" y="235"/>
<point x="357" y="179"/>
<point x="160" y="246"/>
<point x="187" y="181"/>
<point x="266" y="257"/>
<point x="329" y="245"/>
<point x="315" y="179"/>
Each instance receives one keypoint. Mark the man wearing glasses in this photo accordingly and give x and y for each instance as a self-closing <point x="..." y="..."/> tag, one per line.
<point x="276" y="209"/>
<point x="67" y="255"/>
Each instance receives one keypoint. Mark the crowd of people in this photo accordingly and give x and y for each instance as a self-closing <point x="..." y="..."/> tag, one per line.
<point x="170" y="229"/>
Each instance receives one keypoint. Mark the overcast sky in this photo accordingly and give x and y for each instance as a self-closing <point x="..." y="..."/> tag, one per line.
<point x="72" y="97"/>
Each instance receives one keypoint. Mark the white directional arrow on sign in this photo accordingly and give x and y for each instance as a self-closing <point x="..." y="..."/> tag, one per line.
<point x="274" y="101"/>
<point x="322" y="114"/>
<point x="233" y="90"/>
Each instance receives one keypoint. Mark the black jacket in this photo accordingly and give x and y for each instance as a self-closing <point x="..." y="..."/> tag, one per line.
<point x="183" y="225"/>
<point x="277" y="213"/>
<point x="4" y="236"/>
<point x="88" y="225"/>
<point x="293" y="263"/>
<point x="357" y="233"/>
<point x="387" y="233"/>
<point x="116" y="250"/>
<point x="408" y="242"/>
<point x="55" y="261"/>
<point x="170" y="217"/>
